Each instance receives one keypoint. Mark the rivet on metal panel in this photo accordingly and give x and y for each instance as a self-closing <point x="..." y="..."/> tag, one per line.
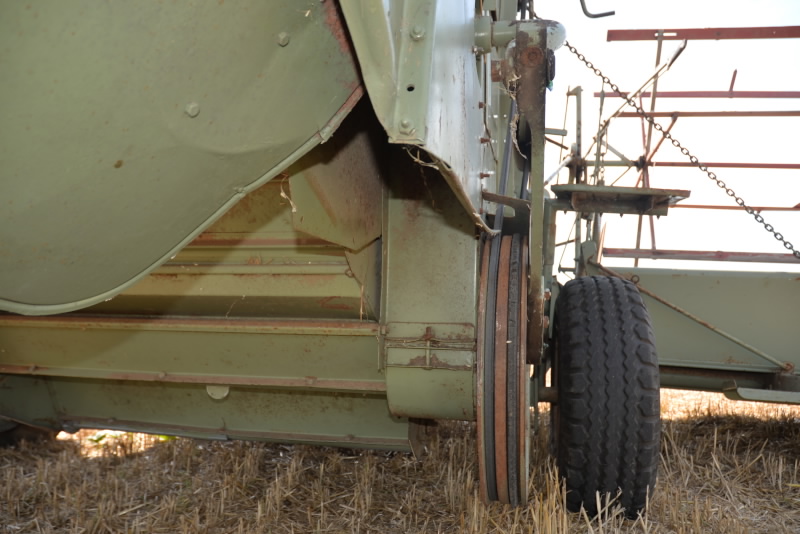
<point x="192" y="109"/>
<point x="283" y="38"/>
<point x="406" y="127"/>
<point x="218" y="392"/>
<point x="417" y="33"/>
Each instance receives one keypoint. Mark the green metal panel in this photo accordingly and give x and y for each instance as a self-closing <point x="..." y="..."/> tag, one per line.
<point x="337" y="190"/>
<point x="128" y="128"/>
<point x="430" y="294"/>
<point x="762" y="395"/>
<point x="323" y="418"/>
<point x="422" y="76"/>
<point x="760" y="309"/>
<point x="336" y="355"/>
<point x="252" y="263"/>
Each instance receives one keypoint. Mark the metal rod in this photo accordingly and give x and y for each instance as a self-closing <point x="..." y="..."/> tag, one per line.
<point x="755" y="208"/>
<point x="563" y="164"/>
<point x="774" y="32"/>
<point x="640" y="92"/>
<point x="713" y="94"/>
<point x="700" y="255"/>
<point x="728" y="165"/>
<point x="614" y="163"/>
<point x="652" y="153"/>
<point x="633" y="114"/>
<point x="784" y="366"/>
<point x="594" y="15"/>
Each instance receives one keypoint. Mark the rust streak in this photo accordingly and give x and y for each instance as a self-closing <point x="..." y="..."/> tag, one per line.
<point x="371" y="386"/>
<point x="325" y="327"/>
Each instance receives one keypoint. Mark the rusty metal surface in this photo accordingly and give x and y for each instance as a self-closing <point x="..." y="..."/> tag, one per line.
<point x="337" y="192"/>
<point x="483" y="425"/>
<point x="703" y="255"/>
<point x="430" y="280"/>
<point x="297" y="355"/>
<point x="632" y="114"/>
<point x="613" y="199"/>
<point x="501" y="363"/>
<point x="712" y="94"/>
<point x="211" y="325"/>
<point x="306" y="382"/>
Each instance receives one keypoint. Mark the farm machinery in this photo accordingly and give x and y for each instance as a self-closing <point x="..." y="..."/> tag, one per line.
<point x="327" y="222"/>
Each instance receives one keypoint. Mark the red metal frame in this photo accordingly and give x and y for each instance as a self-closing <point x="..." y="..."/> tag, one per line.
<point x="713" y="94"/>
<point x="776" y="32"/>
<point x="715" y="34"/>
<point x="633" y="114"/>
<point x="704" y="255"/>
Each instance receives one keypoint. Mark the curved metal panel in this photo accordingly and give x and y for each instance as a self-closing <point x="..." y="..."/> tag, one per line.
<point x="130" y="127"/>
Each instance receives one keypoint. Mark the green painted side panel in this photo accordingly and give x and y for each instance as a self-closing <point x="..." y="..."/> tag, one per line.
<point x="762" y="395"/>
<point x="761" y="309"/>
<point x="430" y="297"/>
<point x="251" y="263"/>
<point x="353" y="420"/>
<point x="337" y="355"/>
<point x="424" y="82"/>
<point x="129" y="127"/>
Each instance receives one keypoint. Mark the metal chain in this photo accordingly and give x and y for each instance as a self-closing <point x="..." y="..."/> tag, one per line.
<point x="685" y="151"/>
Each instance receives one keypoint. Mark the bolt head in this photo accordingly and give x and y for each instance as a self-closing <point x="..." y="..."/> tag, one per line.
<point x="283" y="39"/>
<point x="417" y="33"/>
<point x="406" y="126"/>
<point x="192" y="109"/>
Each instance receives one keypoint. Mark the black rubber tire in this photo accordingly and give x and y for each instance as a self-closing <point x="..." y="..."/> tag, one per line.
<point x="607" y="418"/>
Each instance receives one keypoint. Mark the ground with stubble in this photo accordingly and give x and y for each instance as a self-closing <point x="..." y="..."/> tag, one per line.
<point x="725" y="468"/>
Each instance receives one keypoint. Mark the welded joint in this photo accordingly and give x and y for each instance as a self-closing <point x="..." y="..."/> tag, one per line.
<point x="447" y="349"/>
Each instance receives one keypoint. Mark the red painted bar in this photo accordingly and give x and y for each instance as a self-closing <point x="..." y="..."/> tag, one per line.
<point x="714" y="94"/>
<point x="727" y="165"/>
<point x="633" y="114"/>
<point x="714" y="207"/>
<point x="775" y="32"/>
<point x="704" y="255"/>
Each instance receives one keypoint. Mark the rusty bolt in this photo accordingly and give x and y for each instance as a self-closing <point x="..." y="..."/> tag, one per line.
<point x="531" y="56"/>
<point x="485" y="140"/>
<point x="485" y="175"/>
<point x="497" y="71"/>
<point x="192" y="109"/>
<point x="481" y="105"/>
<point x="283" y="38"/>
<point x="545" y="322"/>
<point x="417" y="33"/>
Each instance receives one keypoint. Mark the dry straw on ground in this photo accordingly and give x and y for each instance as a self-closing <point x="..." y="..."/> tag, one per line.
<point x="726" y="468"/>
